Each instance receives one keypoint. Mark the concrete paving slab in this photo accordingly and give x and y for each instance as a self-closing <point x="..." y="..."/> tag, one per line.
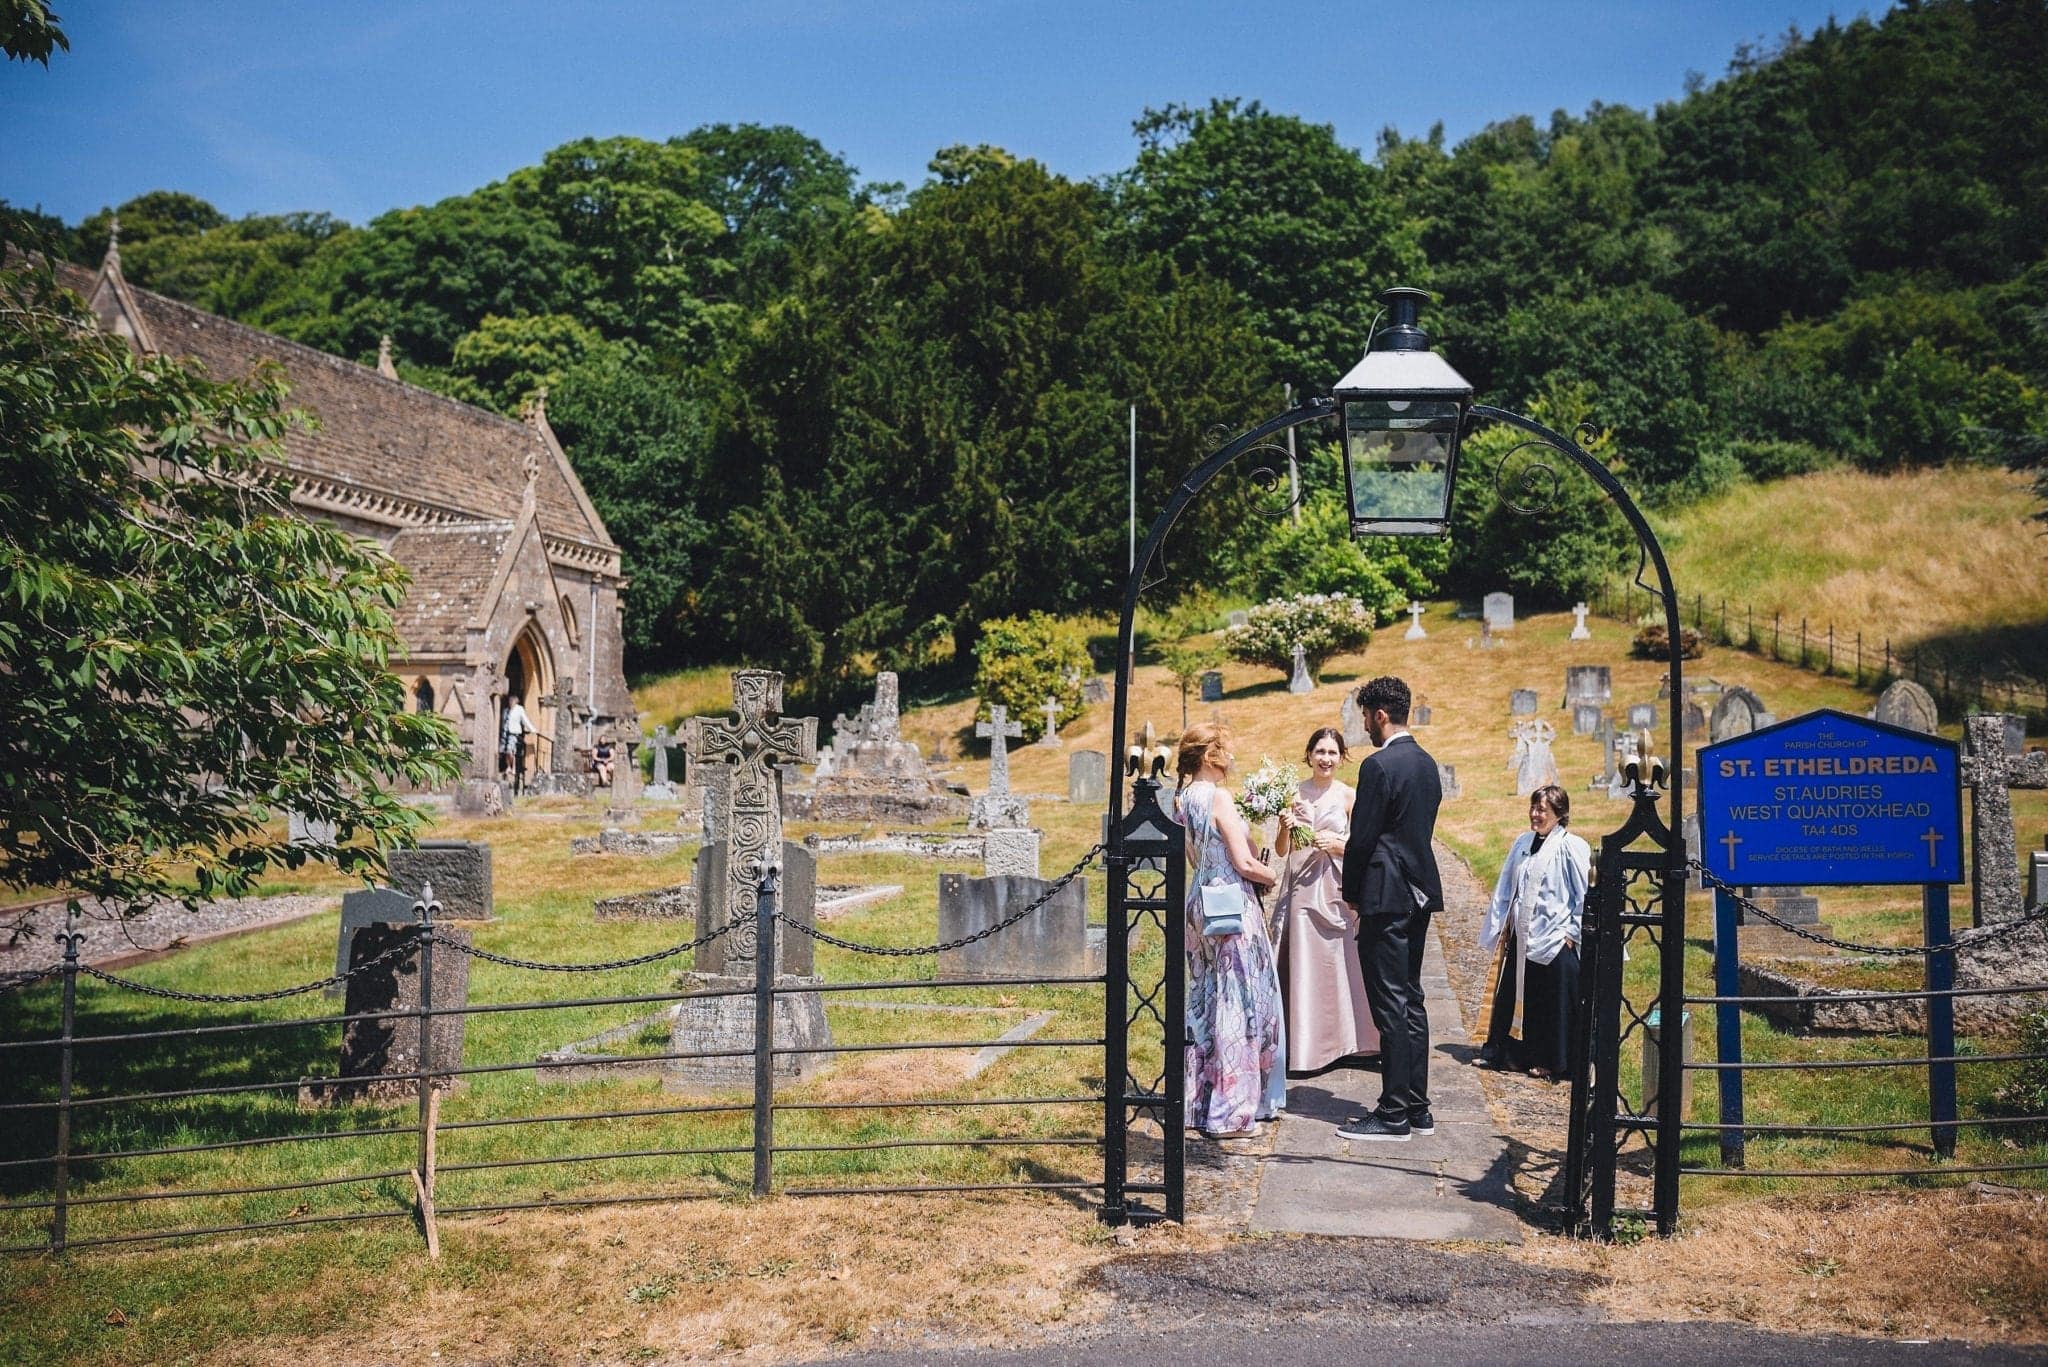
<point x="1450" y="1185"/>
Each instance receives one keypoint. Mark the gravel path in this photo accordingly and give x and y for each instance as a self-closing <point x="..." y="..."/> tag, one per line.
<point x="28" y="941"/>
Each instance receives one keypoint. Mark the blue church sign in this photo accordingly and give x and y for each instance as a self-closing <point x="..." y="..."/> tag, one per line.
<point x="1827" y="798"/>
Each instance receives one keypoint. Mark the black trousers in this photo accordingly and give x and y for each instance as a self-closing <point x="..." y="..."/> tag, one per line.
<point x="1390" y="956"/>
<point x="1500" y="1025"/>
<point x="1547" y="1015"/>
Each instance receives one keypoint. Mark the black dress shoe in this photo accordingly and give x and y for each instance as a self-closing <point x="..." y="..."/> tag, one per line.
<point x="1422" y="1124"/>
<point x="1373" y="1127"/>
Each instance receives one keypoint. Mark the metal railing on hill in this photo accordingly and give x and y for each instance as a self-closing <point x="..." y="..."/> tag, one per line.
<point x="1865" y="658"/>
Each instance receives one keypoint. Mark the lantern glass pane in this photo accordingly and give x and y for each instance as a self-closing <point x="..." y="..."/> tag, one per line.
<point x="1399" y="453"/>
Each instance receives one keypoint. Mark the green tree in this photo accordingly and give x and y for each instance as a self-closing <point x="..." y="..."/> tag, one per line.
<point x="182" y="656"/>
<point x="777" y="190"/>
<point x="29" y="32"/>
<point x="512" y="359"/>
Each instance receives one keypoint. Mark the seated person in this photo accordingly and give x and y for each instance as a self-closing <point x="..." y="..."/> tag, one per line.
<point x="601" y="761"/>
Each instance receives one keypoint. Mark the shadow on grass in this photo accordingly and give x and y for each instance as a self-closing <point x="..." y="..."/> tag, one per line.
<point x="1994" y="653"/>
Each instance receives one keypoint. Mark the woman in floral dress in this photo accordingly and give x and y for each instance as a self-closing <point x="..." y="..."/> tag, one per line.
<point x="1235" y="1053"/>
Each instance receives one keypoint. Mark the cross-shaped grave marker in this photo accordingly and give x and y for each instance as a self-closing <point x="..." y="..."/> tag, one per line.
<point x="660" y="786"/>
<point x="999" y="731"/>
<point x="1415" y="631"/>
<point x="1052" y="709"/>
<point x="1991" y="772"/>
<point x="753" y="741"/>
<point x="1579" y="632"/>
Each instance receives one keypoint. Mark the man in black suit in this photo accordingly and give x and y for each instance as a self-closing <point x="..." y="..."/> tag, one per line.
<point x="1391" y="881"/>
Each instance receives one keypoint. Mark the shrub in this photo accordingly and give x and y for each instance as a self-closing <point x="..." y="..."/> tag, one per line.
<point x="2027" y="1093"/>
<point x="1652" y="643"/>
<point x="1326" y="624"/>
<point x="1766" y="460"/>
<point x="1317" y="555"/>
<point x="1021" y="661"/>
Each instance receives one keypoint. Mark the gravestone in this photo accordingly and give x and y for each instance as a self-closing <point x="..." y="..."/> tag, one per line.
<point x="1738" y="713"/>
<point x="1757" y="937"/>
<point x="308" y="830"/>
<point x="1586" y="718"/>
<point x="1238" y="618"/>
<point x="1052" y="709"/>
<point x="1522" y="702"/>
<point x="753" y="743"/>
<point x="1641" y="714"/>
<point x="2037" y="874"/>
<point x="625" y="791"/>
<point x="1351" y="721"/>
<point x="660" y="788"/>
<point x="1087" y="776"/>
<point x="1486" y="641"/>
<point x="1579" y="632"/>
<point x="365" y="907"/>
<point x="1095" y="691"/>
<point x="677" y="902"/>
<point x="460" y="871"/>
<point x="1604" y="737"/>
<point x="1497" y="610"/>
<point x="1695" y="721"/>
<point x="1990" y="772"/>
<point x="1419" y="715"/>
<point x="1695" y="878"/>
<point x="1415" y="631"/>
<point x="1532" y="761"/>
<point x="1447" y="775"/>
<point x="371" y="1050"/>
<point x="1054" y="941"/>
<point x="1212" y="685"/>
<point x="1907" y="704"/>
<point x="875" y="774"/>
<point x="1010" y="851"/>
<point x="1588" y="684"/>
<point x="998" y="807"/>
<point x="1301" y="682"/>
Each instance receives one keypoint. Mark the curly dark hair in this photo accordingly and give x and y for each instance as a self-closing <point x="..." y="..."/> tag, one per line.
<point x="1386" y="694"/>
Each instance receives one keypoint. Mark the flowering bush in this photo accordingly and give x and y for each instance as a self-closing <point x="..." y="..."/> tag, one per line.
<point x="1022" y="661"/>
<point x="1326" y="625"/>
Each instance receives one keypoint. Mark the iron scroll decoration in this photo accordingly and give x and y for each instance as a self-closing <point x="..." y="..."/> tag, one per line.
<point x="1530" y="490"/>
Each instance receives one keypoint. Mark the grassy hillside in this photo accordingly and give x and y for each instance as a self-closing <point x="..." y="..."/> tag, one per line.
<point x="1948" y="560"/>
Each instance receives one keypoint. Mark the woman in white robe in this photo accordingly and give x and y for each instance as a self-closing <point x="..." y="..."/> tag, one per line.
<point x="1535" y="920"/>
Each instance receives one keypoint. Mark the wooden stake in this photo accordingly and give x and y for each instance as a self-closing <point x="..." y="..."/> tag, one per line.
<point x="423" y="1187"/>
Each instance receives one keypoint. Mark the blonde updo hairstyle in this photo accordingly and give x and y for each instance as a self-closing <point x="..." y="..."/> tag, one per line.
<point x="1200" y="744"/>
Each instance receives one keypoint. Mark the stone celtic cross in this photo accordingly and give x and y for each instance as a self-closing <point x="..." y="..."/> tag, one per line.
<point x="999" y="731"/>
<point x="1990" y="772"/>
<point x="662" y="741"/>
<point x="1052" y="709"/>
<point x="752" y="742"/>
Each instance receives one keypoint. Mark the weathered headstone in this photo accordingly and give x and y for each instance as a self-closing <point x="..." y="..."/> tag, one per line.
<point x="1415" y="631"/>
<point x="677" y="902"/>
<point x="1536" y="766"/>
<point x="1351" y="720"/>
<point x="1447" y="775"/>
<point x="1087" y="776"/>
<point x="2037" y="874"/>
<point x="1012" y="850"/>
<point x="1301" y="682"/>
<point x="1420" y="715"/>
<point x="1738" y="713"/>
<point x="710" y="886"/>
<point x="660" y="788"/>
<point x="1588" y="684"/>
<point x="1052" y="709"/>
<point x="999" y="731"/>
<point x="625" y="784"/>
<point x="1907" y="704"/>
<point x="307" y="830"/>
<point x="1579" y="632"/>
<point x="1486" y="636"/>
<point x="1497" y="610"/>
<point x="874" y="774"/>
<point x="1695" y="721"/>
<point x="1990" y="771"/>
<point x="1238" y="617"/>
<point x="1585" y="718"/>
<point x="460" y="871"/>
<point x="1053" y="941"/>
<point x="374" y="1050"/>
<point x="1212" y="685"/>
<point x="1094" y="691"/>
<point x="1522" y="702"/>
<point x="1792" y="905"/>
<point x="1641" y="714"/>
<point x="364" y="907"/>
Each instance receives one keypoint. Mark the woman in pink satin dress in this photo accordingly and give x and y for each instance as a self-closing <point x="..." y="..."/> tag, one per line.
<point x="1328" y="1017"/>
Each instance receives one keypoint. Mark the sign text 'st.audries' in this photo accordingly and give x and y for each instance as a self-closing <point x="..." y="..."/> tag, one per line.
<point x="1828" y="798"/>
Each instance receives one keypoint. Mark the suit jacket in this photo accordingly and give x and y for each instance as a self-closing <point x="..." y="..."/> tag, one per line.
<point x="1392" y="820"/>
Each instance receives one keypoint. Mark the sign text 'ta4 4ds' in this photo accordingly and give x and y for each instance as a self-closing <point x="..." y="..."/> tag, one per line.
<point x="1828" y="798"/>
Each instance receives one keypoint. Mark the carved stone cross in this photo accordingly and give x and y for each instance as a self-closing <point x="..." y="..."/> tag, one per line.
<point x="660" y="786"/>
<point x="1052" y="709"/>
<point x="1990" y="772"/>
<point x="752" y="742"/>
<point x="999" y="731"/>
<point x="1579" y="632"/>
<point x="1415" y="631"/>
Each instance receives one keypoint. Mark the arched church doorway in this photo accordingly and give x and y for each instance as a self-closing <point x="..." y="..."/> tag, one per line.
<point x="529" y="679"/>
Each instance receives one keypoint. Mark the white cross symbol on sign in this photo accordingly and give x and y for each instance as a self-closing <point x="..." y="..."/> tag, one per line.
<point x="1930" y="839"/>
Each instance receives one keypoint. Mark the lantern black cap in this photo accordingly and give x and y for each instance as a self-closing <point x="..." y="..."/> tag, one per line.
<point x="1402" y="332"/>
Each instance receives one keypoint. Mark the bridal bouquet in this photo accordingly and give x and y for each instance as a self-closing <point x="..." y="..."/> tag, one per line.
<point x="1269" y="793"/>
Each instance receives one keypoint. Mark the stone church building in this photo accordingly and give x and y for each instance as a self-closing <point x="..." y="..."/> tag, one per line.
<point x="515" y="583"/>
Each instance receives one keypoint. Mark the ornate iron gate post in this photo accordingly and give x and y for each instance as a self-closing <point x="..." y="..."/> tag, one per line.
<point x="1634" y="889"/>
<point x="1147" y="892"/>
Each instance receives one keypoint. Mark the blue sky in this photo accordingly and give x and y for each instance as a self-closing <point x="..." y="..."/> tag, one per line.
<point x="364" y="106"/>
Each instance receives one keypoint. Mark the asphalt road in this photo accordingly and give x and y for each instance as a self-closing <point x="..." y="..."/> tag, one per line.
<point x="1319" y="1300"/>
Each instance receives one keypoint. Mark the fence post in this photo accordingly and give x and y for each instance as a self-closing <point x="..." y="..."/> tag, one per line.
<point x="1699" y="603"/>
<point x="430" y="1106"/>
<point x="1749" y="625"/>
<point x="60" y="1214"/>
<point x="1941" y="1018"/>
<point x="1728" y="1023"/>
<point x="1859" y="657"/>
<point x="1724" y="621"/>
<point x="1802" y="643"/>
<point x="1831" y="647"/>
<point x="765" y="926"/>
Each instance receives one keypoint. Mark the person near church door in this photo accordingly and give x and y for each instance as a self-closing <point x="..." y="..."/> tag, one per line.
<point x="513" y="732"/>
<point x="1391" y="881"/>
<point x="1538" y="905"/>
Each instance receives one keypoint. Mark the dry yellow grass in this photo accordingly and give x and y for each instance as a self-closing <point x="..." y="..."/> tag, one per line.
<point x="1920" y="557"/>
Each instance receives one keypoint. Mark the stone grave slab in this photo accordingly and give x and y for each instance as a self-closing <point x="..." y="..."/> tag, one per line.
<point x="1300" y="682"/>
<point x="1419" y="715"/>
<point x="1088" y="776"/>
<point x="1586" y="718"/>
<point x="1588" y="684"/>
<point x="364" y="907"/>
<point x="1447" y="775"/>
<point x="1053" y="941"/>
<point x="1641" y="714"/>
<point x="676" y="902"/>
<point x="1737" y="713"/>
<point x="1695" y="721"/>
<point x="1212" y="685"/>
<point x="1497" y="611"/>
<point x="391" y="1044"/>
<point x="1522" y="702"/>
<point x="1351" y="721"/>
<point x="1907" y="704"/>
<point x="1012" y="852"/>
<point x="460" y="871"/>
